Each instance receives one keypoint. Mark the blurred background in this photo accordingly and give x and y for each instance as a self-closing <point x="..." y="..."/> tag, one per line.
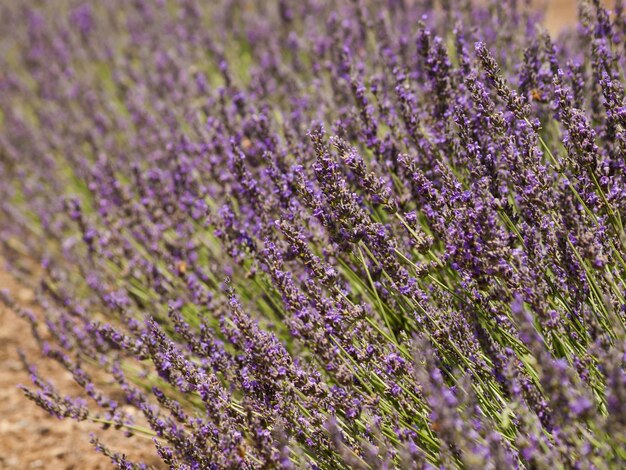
<point x="560" y="13"/>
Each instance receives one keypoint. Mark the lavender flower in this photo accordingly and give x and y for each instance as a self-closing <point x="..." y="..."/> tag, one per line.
<point x="420" y="227"/>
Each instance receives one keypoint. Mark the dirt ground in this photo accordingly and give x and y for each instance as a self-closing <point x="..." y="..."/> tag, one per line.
<point x="560" y="13"/>
<point x="31" y="439"/>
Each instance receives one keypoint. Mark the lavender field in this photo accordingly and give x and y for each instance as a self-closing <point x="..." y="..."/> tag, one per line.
<point x="326" y="234"/>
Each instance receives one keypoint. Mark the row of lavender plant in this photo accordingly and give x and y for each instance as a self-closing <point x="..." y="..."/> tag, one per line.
<point x="327" y="234"/>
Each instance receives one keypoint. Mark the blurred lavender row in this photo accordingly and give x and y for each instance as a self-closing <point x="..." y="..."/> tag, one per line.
<point x="323" y="234"/>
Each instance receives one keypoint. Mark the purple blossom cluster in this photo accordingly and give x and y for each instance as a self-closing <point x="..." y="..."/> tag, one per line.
<point x="323" y="234"/>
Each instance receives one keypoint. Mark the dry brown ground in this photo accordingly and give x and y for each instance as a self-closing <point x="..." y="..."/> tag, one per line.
<point x="560" y="13"/>
<point x="29" y="438"/>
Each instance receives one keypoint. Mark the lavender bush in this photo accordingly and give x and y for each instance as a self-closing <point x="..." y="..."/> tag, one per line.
<point x="325" y="234"/>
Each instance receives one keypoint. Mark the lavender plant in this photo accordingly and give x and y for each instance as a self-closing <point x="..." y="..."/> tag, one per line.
<point x="326" y="234"/>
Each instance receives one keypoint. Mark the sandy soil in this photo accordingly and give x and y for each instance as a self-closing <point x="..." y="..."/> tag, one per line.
<point x="560" y="13"/>
<point x="29" y="437"/>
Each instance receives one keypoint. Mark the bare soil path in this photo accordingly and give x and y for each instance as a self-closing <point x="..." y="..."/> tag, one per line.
<point x="29" y="437"/>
